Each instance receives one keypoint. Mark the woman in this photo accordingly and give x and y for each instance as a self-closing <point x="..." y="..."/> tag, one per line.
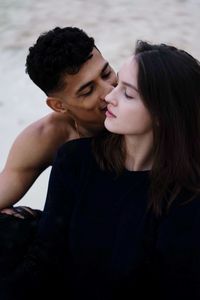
<point x="122" y="216"/>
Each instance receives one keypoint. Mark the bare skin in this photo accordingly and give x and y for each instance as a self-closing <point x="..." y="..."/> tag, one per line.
<point x="76" y="114"/>
<point x="31" y="153"/>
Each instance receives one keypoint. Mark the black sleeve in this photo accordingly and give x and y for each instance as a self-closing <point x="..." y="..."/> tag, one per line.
<point x="62" y="188"/>
<point x="42" y="266"/>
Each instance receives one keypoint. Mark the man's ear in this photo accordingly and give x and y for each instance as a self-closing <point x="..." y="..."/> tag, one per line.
<point x="56" y="104"/>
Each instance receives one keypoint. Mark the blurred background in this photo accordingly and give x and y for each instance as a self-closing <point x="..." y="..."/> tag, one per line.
<point x="115" y="25"/>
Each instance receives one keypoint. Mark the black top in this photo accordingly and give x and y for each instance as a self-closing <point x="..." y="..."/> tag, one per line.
<point x="96" y="226"/>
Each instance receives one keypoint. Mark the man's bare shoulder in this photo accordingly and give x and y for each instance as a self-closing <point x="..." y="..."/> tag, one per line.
<point x="41" y="139"/>
<point x="53" y="126"/>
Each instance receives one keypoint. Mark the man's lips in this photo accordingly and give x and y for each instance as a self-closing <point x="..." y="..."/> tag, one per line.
<point x="104" y="109"/>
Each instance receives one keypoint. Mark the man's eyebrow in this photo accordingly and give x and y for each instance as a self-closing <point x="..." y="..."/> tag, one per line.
<point x="105" y="67"/>
<point x="85" y="85"/>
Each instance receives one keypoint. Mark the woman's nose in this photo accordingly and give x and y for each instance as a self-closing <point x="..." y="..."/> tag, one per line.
<point x="109" y="98"/>
<point x="107" y="90"/>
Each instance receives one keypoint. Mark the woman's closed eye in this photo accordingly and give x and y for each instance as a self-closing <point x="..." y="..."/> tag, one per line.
<point x="128" y="96"/>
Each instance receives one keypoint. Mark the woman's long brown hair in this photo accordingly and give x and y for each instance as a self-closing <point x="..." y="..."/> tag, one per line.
<point x="169" y="85"/>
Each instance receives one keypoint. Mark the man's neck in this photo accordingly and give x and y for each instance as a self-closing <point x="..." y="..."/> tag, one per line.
<point x="87" y="130"/>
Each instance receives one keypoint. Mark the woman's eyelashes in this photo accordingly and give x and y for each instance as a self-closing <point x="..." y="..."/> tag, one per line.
<point x="128" y="96"/>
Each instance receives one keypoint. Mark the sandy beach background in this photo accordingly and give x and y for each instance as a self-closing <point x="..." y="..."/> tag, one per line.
<point x="115" y="24"/>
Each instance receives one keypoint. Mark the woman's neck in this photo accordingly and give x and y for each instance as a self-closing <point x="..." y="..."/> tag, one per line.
<point x="139" y="152"/>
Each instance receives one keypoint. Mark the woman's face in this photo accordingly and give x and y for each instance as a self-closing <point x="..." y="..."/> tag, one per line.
<point x="126" y="113"/>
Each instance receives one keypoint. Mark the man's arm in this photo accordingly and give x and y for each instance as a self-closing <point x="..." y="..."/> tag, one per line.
<point x="14" y="183"/>
<point x="31" y="153"/>
<point x="24" y="164"/>
<point x="42" y="268"/>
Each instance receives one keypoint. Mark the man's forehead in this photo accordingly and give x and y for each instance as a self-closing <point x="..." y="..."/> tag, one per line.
<point x="94" y="64"/>
<point x="89" y="72"/>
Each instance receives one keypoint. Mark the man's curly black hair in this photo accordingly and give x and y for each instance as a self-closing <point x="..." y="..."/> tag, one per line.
<point x="58" y="52"/>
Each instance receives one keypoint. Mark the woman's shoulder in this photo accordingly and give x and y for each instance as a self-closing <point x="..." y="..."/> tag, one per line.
<point x="74" y="152"/>
<point x="77" y="146"/>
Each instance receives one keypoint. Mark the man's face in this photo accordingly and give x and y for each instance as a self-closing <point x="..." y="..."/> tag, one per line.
<point x="84" y="95"/>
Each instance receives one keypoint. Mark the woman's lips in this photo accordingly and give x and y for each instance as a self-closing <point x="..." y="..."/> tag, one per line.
<point x="109" y="114"/>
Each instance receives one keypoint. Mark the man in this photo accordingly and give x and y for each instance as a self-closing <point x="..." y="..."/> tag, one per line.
<point x="68" y="67"/>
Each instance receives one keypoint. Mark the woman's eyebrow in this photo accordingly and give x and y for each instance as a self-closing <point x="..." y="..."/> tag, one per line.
<point x="127" y="84"/>
<point x="130" y="85"/>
